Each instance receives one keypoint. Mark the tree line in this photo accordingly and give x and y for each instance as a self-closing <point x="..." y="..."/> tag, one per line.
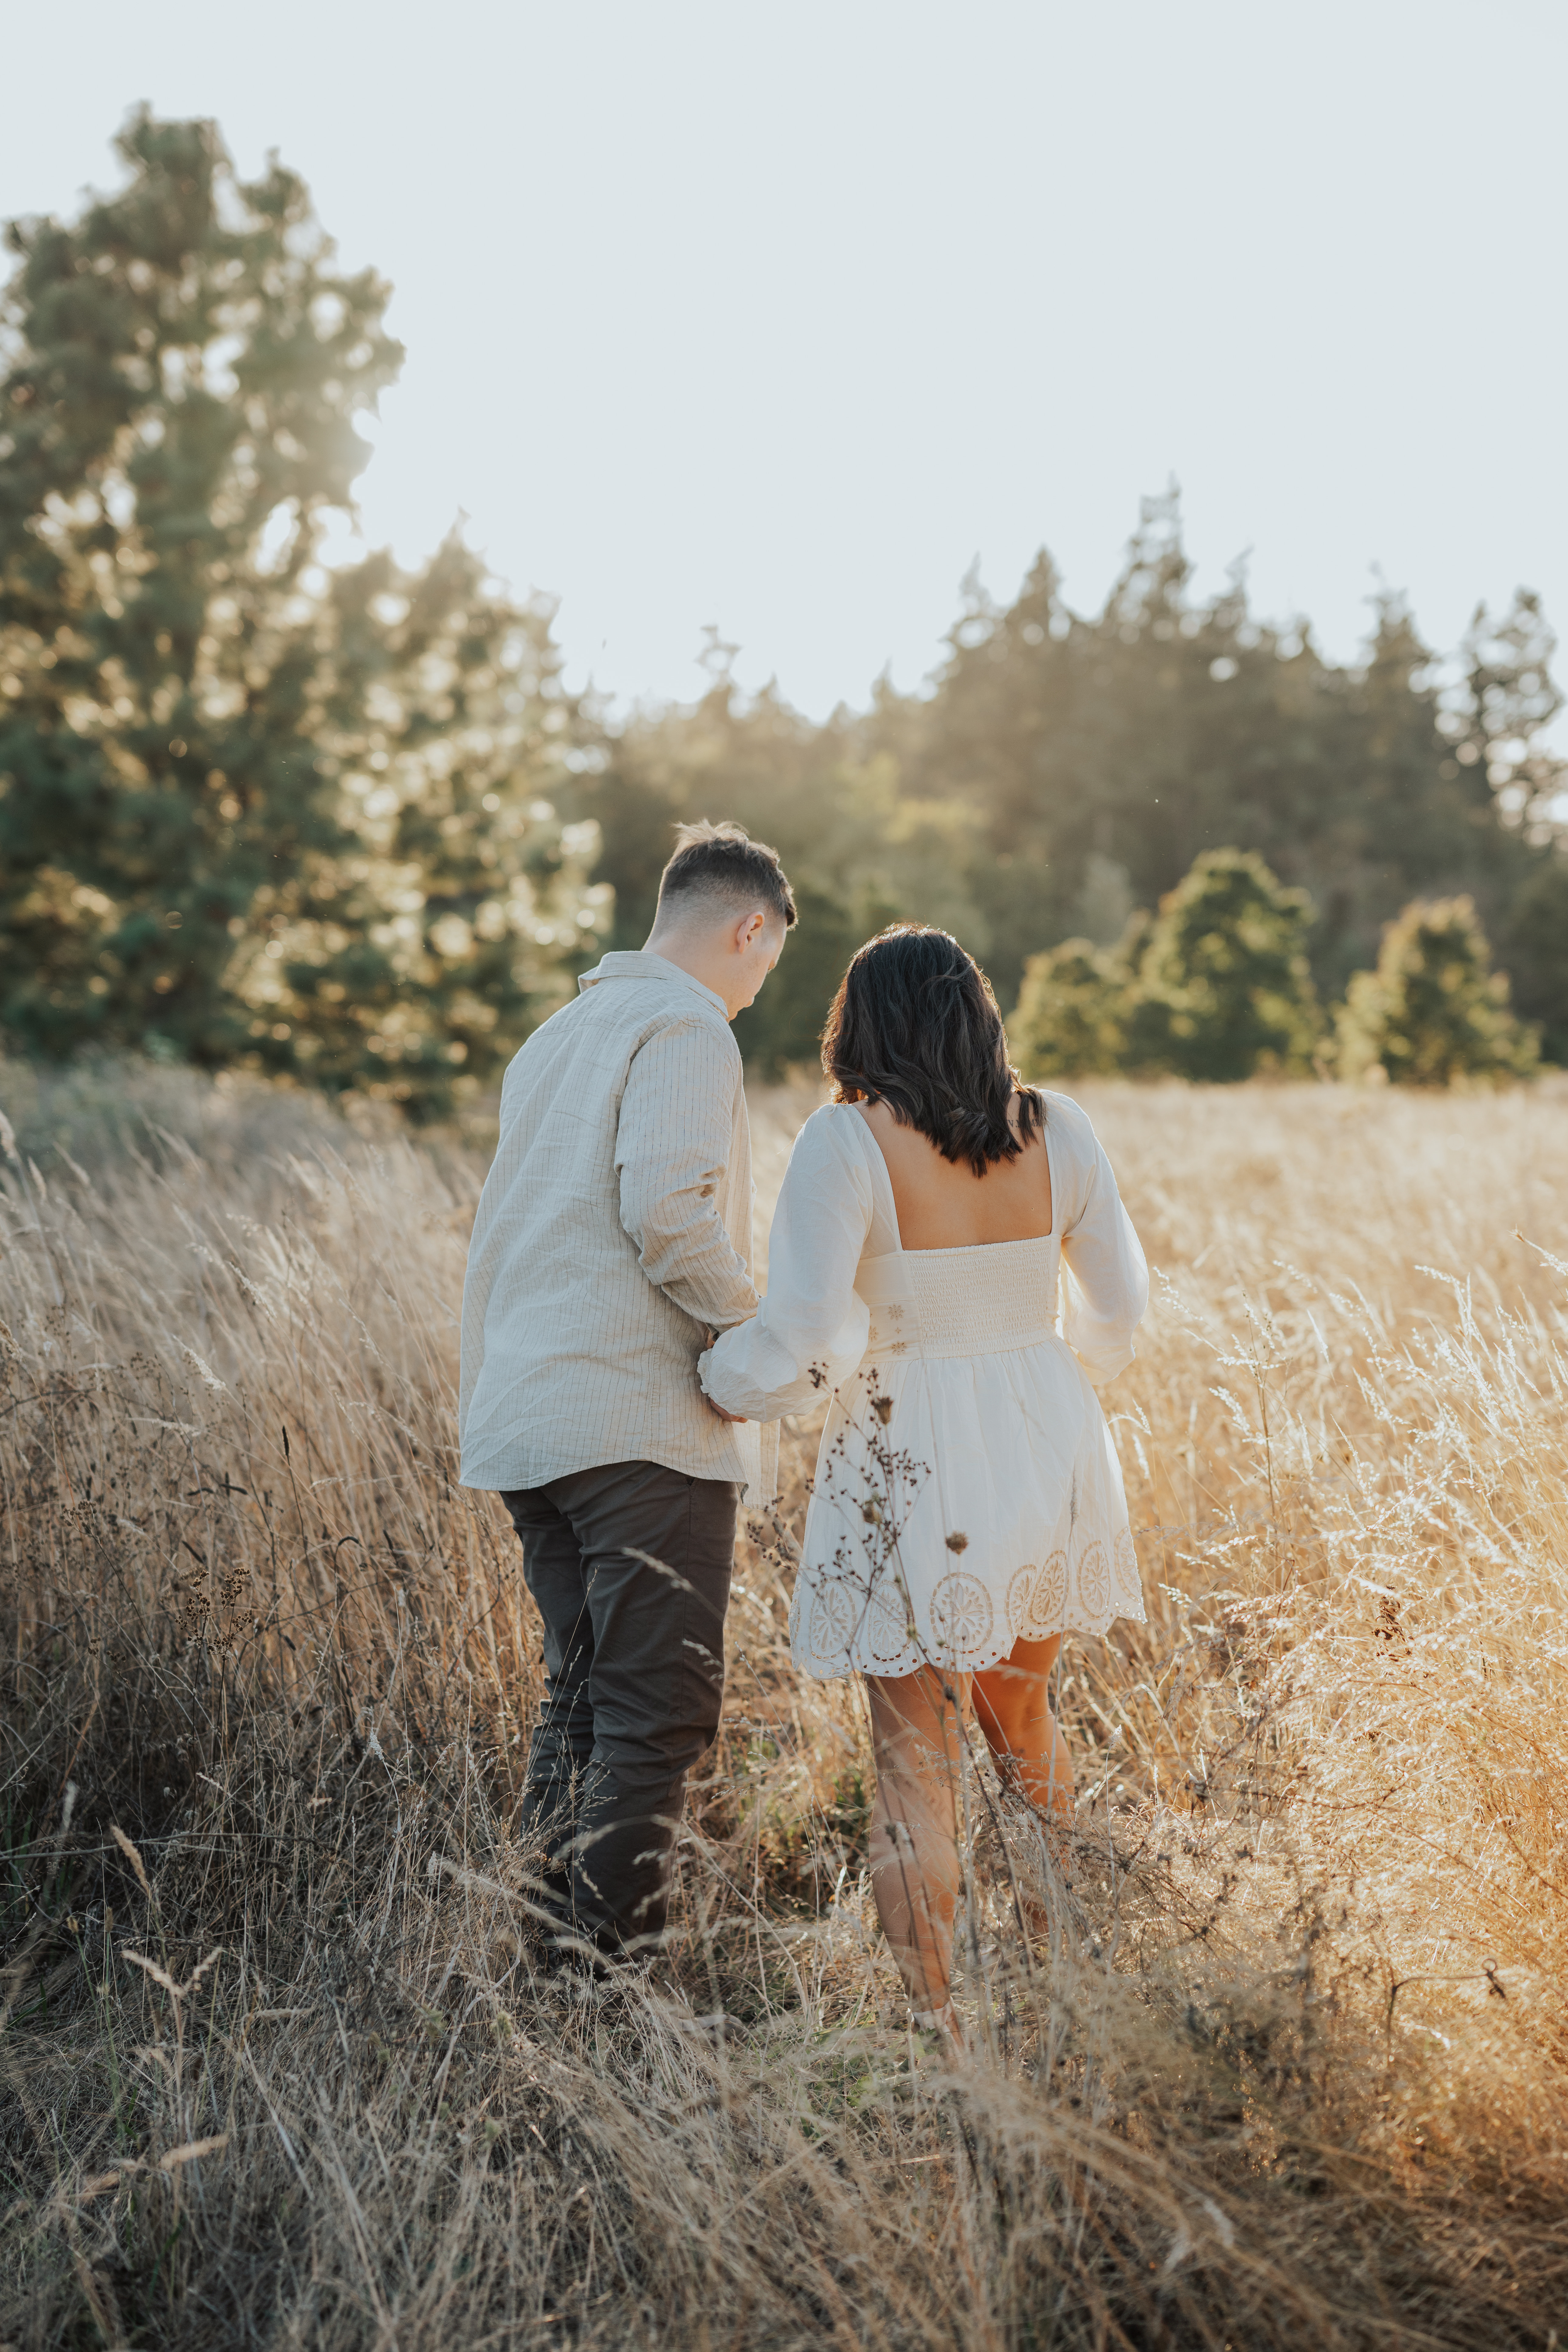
<point x="1218" y="986"/>
<point x="1066" y="772"/>
<point x="344" y="823"/>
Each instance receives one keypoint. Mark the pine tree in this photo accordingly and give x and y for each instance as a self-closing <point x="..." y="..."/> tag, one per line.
<point x="784" y="1025"/>
<point x="856" y="852"/>
<point x="1072" y="1015"/>
<point x="1223" y="988"/>
<point x="213" y="751"/>
<point x="1398" y="814"/>
<point x="1510" y="699"/>
<point x="1163" y="726"/>
<point x="1534" y="943"/>
<point x="1434" y="1011"/>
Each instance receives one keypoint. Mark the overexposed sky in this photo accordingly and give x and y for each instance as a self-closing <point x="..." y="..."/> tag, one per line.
<point x="776" y="316"/>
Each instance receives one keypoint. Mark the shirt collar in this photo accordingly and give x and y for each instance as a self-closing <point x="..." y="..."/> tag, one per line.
<point x="635" y="964"/>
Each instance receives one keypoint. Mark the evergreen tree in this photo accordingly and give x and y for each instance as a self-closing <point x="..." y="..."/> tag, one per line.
<point x="1535" y="946"/>
<point x="1398" y="813"/>
<point x="1139" y="738"/>
<point x="1223" y="988"/>
<point x="222" y="770"/>
<point x="1132" y="740"/>
<point x="416" y="967"/>
<point x="1510" y="699"/>
<point x="1066" y="768"/>
<point x="1433" y="1011"/>
<point x="1072" y="1015"/>
<point x="784" y="1025"/>
<point x="857" y="853"/>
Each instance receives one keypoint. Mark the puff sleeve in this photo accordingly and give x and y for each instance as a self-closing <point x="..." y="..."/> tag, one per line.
<point x="811" y="1329"/>
<point x="1105" y="1278"/>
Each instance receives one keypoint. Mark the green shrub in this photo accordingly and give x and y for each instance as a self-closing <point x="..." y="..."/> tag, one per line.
<point x="1434" y="1010"/>
<point x="1223" y="988"/>
<point x="1072" y="1015"/>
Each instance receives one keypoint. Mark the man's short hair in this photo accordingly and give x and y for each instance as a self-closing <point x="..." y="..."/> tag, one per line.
<point x="722" y="861"/>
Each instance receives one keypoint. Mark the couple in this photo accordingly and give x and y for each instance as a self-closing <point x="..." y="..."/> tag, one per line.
<point x="622" y="1383"/>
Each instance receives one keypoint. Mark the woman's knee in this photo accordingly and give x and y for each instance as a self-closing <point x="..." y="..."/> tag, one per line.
<point x="916" y="1784"/>
<point x="917" y="1748"/>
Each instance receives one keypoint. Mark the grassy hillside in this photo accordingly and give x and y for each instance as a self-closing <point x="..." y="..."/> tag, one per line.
<point x="1289" y="2068"/>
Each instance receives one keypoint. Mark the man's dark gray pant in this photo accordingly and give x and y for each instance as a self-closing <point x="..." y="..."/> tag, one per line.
<point x="635" y="1660"/>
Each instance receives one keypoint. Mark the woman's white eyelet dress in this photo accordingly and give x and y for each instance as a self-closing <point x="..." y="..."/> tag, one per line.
<point x="967" y="1493"/>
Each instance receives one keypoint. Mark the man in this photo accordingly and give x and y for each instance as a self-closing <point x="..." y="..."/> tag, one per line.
<point x="614" y="1235"/>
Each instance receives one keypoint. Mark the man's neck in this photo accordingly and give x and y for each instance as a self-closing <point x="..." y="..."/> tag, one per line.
<point x="688" y="954"/>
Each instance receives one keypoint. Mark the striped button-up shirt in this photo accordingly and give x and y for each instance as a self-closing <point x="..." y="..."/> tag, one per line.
<point x="613" y="1233"/>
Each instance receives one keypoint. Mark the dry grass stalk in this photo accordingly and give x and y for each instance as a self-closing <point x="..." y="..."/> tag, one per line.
<point x="1289" y="2067"/>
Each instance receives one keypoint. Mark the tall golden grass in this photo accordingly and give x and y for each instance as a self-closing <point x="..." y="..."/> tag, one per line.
<point x="1290" y="2068"/>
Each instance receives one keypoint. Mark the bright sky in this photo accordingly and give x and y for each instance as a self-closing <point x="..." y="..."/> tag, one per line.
<point x="777" y="317"/>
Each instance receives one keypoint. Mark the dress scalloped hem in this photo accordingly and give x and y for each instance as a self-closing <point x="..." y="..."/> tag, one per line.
<point x="967" y="1493"/>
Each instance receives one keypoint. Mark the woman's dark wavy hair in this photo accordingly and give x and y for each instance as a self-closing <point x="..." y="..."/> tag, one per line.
<point x="915" y="1025"/>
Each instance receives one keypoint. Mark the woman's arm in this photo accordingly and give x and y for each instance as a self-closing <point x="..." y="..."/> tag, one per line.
<point x="811" y="1329"/>
<point x="1105" y="1280"/>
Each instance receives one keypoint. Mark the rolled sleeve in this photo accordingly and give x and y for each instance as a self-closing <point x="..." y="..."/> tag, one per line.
<point x="673" y="1142"/>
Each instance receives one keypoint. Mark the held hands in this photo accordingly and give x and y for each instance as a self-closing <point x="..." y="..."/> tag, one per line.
<point x="718" y="1409"/>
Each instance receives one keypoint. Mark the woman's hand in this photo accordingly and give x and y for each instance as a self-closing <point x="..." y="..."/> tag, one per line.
<point x="708" y="1400"/>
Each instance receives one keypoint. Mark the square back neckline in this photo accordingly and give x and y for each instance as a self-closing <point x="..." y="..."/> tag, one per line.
<point x="954" y="1249"/>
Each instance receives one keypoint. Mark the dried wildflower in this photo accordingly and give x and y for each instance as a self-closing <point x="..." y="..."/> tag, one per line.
<point x="883" y="1408"/>
<point x="957" y="1542"/>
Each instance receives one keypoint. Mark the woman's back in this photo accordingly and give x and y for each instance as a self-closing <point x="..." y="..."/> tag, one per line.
<point x="942" y="1204"/>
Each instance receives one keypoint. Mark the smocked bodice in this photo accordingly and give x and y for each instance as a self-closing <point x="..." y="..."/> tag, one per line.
<point x="980" y="1301"/>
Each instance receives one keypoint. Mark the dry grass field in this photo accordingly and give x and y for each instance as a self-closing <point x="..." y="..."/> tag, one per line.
<point x="1290" y="2068"/>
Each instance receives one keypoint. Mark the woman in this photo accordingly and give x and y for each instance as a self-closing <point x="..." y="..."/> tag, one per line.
<point x="967" y="1509"/>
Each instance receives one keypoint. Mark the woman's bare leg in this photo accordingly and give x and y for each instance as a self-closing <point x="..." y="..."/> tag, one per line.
<point x="1013" y="1709"/>
<point x="916" y="1873"/>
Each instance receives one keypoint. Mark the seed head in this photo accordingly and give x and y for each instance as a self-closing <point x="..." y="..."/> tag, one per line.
<point x="957" y="1542"/>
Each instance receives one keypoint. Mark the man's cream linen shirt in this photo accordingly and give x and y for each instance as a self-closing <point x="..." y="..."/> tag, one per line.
<point x="613" y="1231"/>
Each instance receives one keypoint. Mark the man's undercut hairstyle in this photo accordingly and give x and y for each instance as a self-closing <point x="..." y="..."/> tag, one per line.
<point x="721" y="864"/>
